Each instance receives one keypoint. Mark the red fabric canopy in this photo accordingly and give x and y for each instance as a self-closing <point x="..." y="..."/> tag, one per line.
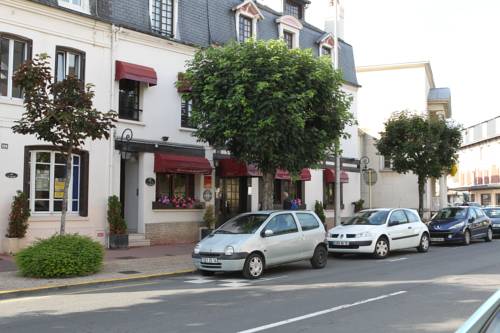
<point x="125" y="70"/>
<point x="329" y="175"/>
<point x="170" y="163"/>
<point x="305" y="175"/>
<point x="233" y="168"/>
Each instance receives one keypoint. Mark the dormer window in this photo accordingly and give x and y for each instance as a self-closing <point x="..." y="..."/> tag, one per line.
<point x="326" y="45"/>
<point x="326" y="51"/>
<point x="289" y="28"/>
<point x="162" y="17"/>
<point x="77" y="5"/>
<point x="294" y="9"/>
<point x="288" y="38"/>
<point x="246" y="16"/>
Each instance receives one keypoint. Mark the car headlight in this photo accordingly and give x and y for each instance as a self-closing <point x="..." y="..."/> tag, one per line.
<point x="363" y="234"/>
<point x="229" y="250"/>
<point x="197" y="249"/>
<point x="458" y="225"/>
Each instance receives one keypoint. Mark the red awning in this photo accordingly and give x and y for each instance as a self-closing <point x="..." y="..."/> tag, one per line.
<point x="170" y="163"/>
<point x="125" y="70"/>
<point x="329" y="175"/>
<point x="233" y="168"/>
<point x="305" y="175"/>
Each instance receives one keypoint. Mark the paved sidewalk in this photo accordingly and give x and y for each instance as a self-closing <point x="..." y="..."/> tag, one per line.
<point x="118" y="265"/>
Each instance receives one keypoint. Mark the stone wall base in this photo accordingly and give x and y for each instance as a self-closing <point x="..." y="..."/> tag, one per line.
<point x="173" y="232"/>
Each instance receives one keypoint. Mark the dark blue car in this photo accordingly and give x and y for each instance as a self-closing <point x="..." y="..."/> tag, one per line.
<point x="460" y="224"/>
<point x="494" y="214"/>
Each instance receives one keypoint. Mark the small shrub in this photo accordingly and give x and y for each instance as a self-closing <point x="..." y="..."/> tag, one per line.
<point x="61" y="256"/>
<point x="358" y="205"/>
<point x="117" y="225"/>
<point x="209" y="217"/>
<point x="319" y="210"/>
<point x="18" y="217"/>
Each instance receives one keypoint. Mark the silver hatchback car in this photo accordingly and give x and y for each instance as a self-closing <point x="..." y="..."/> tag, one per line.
<point x="251" y="242"/>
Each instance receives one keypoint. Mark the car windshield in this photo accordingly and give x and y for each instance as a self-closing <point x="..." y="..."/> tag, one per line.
<point x="370" y="217"/>
<point x="452" y="213"/>
<point x="244" y="224"/>
<point x="492" y="212"/>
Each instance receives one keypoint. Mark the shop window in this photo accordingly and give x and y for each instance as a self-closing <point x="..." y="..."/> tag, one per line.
<point x="329" y="195"/>
<point x="293" y="188"/>
<point x="46" y="175"/>
<point x="162" y="17"/>
<point x="186" y="109"/>
<point x="294" y="9"/>
<point x="129" y="95"/>
<point x="14" y="52"/>
<point x="174" y="185"/>
<point x="486" y="199"/>
<point x="69" y="62"/>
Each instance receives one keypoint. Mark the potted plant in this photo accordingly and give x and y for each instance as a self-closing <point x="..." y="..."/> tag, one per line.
<point x="320" y="211"/>
<point x="118" y="236"/>
<point x="18" y="222"/>
<point x="358" y="205"/>
<point x="210" y="220"/>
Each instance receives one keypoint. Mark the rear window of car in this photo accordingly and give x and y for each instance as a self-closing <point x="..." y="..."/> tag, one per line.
<point x="493" y="213"/>
<point x="307" y="221"/>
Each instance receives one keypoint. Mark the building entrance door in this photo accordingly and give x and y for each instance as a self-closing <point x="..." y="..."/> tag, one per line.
<point x="234" y="198"/>
<point x="129" y="192"/>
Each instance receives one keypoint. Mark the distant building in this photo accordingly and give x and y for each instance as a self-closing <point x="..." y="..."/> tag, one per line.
<point x="478" y="176"/>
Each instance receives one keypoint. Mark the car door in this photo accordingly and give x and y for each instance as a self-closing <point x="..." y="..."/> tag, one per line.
<point x="472" y="220"/>
<point x="284" y="244"/>
<point x="311" y="232"/>
<point x="482" y="222"/>
<point x="415" y="227"/>
<point x="399" y="230"/>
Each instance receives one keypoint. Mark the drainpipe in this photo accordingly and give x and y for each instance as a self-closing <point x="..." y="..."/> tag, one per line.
<point x="337" y="144"/>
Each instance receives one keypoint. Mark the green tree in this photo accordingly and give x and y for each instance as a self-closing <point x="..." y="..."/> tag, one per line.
<point x="60" y="113"/>
<point x="426" y="146"/>
<point x="268" y="105"/>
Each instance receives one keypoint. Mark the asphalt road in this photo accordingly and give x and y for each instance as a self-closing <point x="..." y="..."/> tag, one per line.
<point x="408" y="292"/>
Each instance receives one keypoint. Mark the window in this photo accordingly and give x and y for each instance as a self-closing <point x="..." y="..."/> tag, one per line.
<point x="128" y="104"/>
<point x="473" y="197"/>
<point x="326" y="51"/>
<point x="246" y="28"/>
<point x="479" y="212"/>
<point x="69" y="62"/>
<point x="307" y="221"/>
<point x="48" y="171"/>
<point x="412" y="217"/>
<point x="294" y="190"/>
<point x="399" y="217"/>
<point x="186" y="108"/>
<point x="174" y="185"/>
<point x="387" y="163"/>
<point x="78" y="5"/>
<point x="282" y="224"/>
<point x="486" y="199"/>
<point x="329" y="195"/>
<point x="497" y="197"/>
<point x="13" y="53"/>
<point x="294" y="9"/>
<point x="288" y="38"/>
<point x="162" y="17"/>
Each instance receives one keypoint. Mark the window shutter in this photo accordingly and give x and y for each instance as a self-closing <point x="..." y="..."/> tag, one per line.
<point x="27" y="171"/>
<point x="84" y="184"/>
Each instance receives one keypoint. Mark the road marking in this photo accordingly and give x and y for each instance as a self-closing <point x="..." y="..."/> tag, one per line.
<point x="199" y="281"/>
<point x="320" y="313"/>
<point x="398" y="259"/>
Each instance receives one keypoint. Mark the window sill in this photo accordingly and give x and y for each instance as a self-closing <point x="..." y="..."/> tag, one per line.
<point x="42" y="217"/>
<point x="11" y="101"/>
<point x="131" y="122"/>
<point x="187" y="129"/>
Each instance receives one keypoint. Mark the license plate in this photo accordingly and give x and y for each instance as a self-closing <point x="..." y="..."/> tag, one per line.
<point x="210" y="260"/>
<point x="437" y="239"/>
<point x="340" y="243"/>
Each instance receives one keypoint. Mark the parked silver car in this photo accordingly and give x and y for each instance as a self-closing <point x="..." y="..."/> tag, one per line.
<point x="251" y="242"/>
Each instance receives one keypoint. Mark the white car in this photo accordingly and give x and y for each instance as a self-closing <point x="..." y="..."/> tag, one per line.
<point x="379" y="231"/>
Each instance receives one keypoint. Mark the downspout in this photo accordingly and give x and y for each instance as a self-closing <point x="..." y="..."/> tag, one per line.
<point x="337" y="144"/>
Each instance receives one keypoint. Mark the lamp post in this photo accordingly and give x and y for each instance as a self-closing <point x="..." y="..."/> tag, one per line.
<point x="125" y="139"/>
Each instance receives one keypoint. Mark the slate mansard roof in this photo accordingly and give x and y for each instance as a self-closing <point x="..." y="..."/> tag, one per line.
<point x="203" y="23"/>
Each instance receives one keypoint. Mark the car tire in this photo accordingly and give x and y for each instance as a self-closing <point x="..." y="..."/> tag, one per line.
<point x="206" y="273"/>
<point x="381" y="248"/>
<point x="320" y="257"/>
<point x="254" y="266"/>
<point x="467" y="237"/>
<point x="424" y="243"/>
<point x="489" y="235"/>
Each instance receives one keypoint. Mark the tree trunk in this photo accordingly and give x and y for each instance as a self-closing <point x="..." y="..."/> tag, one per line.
<point x="69" y="160"/>
<point x="421" y="189"/>
<point x="267" y="191"/>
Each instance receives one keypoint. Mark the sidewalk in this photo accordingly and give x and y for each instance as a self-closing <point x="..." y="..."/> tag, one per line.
<point x="118" y="265"/>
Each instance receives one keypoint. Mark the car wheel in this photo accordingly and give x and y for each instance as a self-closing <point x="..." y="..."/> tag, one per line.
<point x="381" y="248"/>
<point x="489" y="235"/>
<point x="206" y="273"/>
<point x="467" y="237"/>
<point x="254" y="266"/>
<point x="320" y="257"/>
<point x="424" y="244"/>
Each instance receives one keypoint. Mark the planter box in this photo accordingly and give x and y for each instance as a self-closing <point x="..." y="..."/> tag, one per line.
<point x="11" y="245"/>
<point x="204" y="232"/>
<point x="118" y="241"/>
<point x="158" y="205"/>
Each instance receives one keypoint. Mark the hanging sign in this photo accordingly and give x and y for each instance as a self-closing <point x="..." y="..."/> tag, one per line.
<point x="150" y="181"/>
<point x="207" y="181"/>
<point x="207" y="195"/>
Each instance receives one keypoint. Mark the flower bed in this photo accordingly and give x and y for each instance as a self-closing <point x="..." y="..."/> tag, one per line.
<point x="166" y="202"/>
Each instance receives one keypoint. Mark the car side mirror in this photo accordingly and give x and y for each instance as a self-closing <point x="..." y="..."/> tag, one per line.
<point x="267" y="233"/>
<point x="393" y="223"/>
<point x="471" y="220"/>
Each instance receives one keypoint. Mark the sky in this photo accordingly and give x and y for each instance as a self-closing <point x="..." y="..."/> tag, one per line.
<point x="460" y="38"/>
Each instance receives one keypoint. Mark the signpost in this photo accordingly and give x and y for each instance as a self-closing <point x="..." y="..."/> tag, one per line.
<point x="370" y="177"/>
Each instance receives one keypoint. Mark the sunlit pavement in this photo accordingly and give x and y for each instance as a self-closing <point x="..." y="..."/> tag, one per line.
<point x="408" y="292"/>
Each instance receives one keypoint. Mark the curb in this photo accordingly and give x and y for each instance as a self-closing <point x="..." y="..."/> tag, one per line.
<point x="6" y="294"/>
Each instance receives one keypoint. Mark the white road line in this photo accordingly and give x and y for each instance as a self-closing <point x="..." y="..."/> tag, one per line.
<point x="319" y="313"/>
<point x="398" y="259"/>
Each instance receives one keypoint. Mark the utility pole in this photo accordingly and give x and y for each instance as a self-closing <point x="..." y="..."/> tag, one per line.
<point x="337" y="144"/>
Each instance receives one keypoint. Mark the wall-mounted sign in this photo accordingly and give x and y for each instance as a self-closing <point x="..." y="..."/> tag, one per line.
<point x="207" y="182"/>
<point x="207" y="195"/>
<point x="11" y="175"/>
<point x="4" y="146"/>
<point x="59" y="188"/>
<point x="150" y="181"/>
